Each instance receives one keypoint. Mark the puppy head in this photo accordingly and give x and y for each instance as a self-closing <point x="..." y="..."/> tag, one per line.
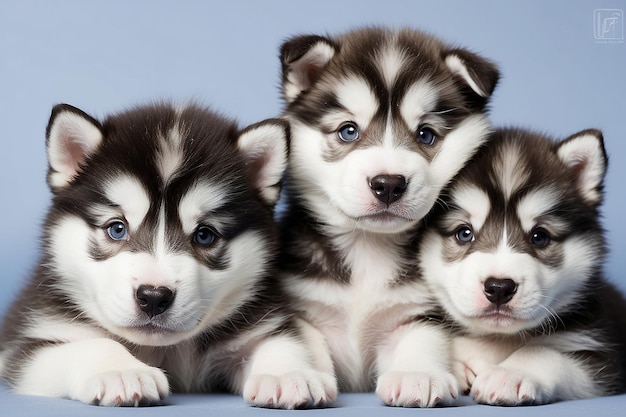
<point x="161" y="223"/>
<point x="381" y="121"/>
<point x="517" y="238"/>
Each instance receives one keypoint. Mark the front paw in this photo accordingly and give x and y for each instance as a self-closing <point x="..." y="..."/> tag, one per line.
<point x="464" y="375"/>
<point x="130" y="387"/>
<point x="291" y="390"/>
<point x="417" y="389"/>
<point x="500" y="386"/>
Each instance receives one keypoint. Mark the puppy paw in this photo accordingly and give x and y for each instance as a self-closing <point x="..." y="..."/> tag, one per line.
<point x="131" y="387"/>
<point x="290" y="391"/>
<point x="500" y="386"/>
<point x="417" y="389"/>
<point x="464" y="375"/>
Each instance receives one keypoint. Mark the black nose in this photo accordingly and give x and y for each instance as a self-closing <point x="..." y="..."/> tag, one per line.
<point x="388" y="188"/>
<point x="500" y="291"/>
<point x="154" y="300"/>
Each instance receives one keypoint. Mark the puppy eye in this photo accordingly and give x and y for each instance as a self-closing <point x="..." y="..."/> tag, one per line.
<point x="464" y="235"/>
<point x="204" y="236"/>
<point x="539" y="238"/>
<point x="426" y="135"/>
<point x="117" y="231"/>
<point x="348" y="132"/>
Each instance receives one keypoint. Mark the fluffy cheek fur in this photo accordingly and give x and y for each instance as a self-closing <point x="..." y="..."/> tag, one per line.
<point x="543" y="292"/>
<point x="105" y="289"/>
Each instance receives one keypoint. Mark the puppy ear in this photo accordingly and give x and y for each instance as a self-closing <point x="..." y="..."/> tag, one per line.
<point x="303" y="59"/>
<point x="72" y="136"/>
<point x="265" y="147"/>
<point x="475" y="72"/>
<point x="585" y="155"/>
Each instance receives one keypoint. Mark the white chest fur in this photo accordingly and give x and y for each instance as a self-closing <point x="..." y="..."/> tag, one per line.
<point x="357" y="317"/>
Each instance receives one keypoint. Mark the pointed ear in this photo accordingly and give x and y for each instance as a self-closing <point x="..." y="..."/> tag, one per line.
<point x="71" y="138"/>
<point x="303" y="59"/>
<point x="265" y="146"/>
<point x="478" y="75"/>
<point x="585" y="155"/>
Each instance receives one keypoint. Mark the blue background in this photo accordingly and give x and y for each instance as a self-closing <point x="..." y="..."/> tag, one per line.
<point x="103" y="56"/>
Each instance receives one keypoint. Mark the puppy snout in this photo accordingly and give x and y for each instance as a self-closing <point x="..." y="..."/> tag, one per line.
<point x="154" y="300"/>
<point x="499" y="291"/>
<point x="388" y="188"/>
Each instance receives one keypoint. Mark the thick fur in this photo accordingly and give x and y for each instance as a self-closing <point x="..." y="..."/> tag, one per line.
<point x="514" y="255"/>
<point x="381" y="121"/>
<point x="157" y="266"/>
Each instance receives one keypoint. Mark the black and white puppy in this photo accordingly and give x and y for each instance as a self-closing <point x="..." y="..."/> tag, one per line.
<point x="514" y="256"/>
<point x="157" y="266"/>
<point x="381" y="121"/>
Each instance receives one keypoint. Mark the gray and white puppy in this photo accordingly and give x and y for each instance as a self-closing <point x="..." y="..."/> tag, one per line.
<point x="514" y="256"/>
<point x="157" y="266"/>
<point x="381" y="120"/>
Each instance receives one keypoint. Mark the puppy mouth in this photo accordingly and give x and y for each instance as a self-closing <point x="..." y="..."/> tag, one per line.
<point x="384" y="217"/>
<point x="152" y="329"/>
<point x="153" y="333"/>
<point x="155" y="327"/>
<point x="501" y="316"/>
<point x="387" y="220"/>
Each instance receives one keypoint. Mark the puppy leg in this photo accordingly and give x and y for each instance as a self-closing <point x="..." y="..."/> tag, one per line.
<point x="473" y="355"/>
<point x="533" y="375"/>
<point x="280" y="373"/>
<point x="95" y="371"/>
<point x="414" y="368"/>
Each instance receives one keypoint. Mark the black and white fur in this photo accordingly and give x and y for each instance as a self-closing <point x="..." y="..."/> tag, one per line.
<point x="514" y="256"/>
<point x="381" y="120"/>
<point x="157" y="266"/>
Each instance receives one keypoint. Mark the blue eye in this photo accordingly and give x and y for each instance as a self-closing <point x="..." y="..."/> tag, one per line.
<point x="464" y="235"/>
<point x="348" y="132"/>
<point x="204" y="236"/>
<point x="539" y="238"/>
<point x="117" y="231"/>
<point x="426" y="136"/>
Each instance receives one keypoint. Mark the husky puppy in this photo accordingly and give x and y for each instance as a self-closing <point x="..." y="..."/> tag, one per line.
<point x="157" y="266"/>
<point x="381" y="120"/>
<point x="514" y="256"/>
